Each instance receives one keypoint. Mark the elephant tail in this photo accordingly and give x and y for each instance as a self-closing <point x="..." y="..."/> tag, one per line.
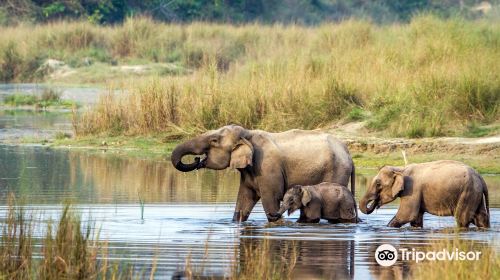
<point x="353" y="191"/>
<point x="353" y="181"/>
<point x="485" y="196"/>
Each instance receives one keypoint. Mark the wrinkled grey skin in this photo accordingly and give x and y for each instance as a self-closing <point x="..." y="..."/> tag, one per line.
<point x="442" y="188"/>
<point x="269" y="163"/>
<point x="328" y="201"/>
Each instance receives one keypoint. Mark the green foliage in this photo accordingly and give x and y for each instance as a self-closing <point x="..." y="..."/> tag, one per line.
<point x="356" y="114"/>
<point x="293" y="11"/>
<point x="53" y="9"/>
<point x="474" y="129"/>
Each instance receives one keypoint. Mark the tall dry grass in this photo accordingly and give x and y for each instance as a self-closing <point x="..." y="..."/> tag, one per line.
<point x="429" y="77"/>
<point x="71" y="249"/>
<point x="487" y="267"/>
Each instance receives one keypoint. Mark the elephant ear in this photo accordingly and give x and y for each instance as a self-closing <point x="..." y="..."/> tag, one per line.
<point x="306" y="196"/>
<point x="398" y="184"/>
<point x="242" y="154"/>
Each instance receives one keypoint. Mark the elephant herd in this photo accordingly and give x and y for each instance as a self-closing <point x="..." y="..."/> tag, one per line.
<point x="310" y="170"/>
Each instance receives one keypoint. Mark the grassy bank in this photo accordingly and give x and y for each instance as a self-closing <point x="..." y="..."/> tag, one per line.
<point x="161" y="146"/>
<point x="429" y="77"/>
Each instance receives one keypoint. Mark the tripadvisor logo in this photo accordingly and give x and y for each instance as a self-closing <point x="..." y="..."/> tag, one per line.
<point x="387" y="255"/>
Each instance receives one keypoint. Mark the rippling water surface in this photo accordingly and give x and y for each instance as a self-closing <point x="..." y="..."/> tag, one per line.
<point x="189" y="215"/>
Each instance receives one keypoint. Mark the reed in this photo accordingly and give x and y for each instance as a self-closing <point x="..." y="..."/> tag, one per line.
<point x="487" y="267"/>
<point x="430" y="77"/>
<point x="69" y="248"/>
<point x="259" y="262"/>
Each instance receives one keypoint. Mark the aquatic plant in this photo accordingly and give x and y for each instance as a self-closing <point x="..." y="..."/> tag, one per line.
<point x="141" y="203"/>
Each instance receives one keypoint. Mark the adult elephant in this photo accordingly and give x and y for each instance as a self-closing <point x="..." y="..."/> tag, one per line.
<point x="269" y="163"/>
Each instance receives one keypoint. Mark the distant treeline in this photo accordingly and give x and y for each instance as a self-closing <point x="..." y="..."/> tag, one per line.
<point x="236" y="11"/>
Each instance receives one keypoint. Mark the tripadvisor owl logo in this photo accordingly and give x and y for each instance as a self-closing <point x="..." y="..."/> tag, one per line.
<point x="386" y="255"/>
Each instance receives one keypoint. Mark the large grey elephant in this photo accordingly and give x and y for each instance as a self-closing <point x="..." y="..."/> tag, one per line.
<point x="269" y="163"/>
<point x="442" y="188"/>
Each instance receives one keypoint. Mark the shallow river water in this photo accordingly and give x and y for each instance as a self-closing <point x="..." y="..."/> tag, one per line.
<point x="189" y="215"/>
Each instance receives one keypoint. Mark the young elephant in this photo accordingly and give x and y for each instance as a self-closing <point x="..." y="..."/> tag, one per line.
<point x="329" y="201"/>
<point x="443" y="188"/>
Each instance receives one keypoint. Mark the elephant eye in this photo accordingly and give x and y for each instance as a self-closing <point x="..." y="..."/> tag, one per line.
<point x="214" y="141"/>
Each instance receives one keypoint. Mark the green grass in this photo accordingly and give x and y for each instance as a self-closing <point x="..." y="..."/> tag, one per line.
<point x="161" y="146"/>
<point x="356" y="114"/>
<point x="369" y="162"/>
<point x="49" y="98"/>
<point x="139" y="146"/>
<point x="475" y="130"/>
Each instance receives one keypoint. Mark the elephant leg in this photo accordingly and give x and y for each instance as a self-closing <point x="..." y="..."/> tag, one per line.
<point x="271" y="206"/>
<point x="307" y="220"/>
<point x="482" y="218"/>
<point x="419" y="222"/>
<point x="409" y="211"/>
<point x="247" y="198"/>
<point x="302" y="218"/>
<point x="467" y="206"/>
<point x="396" y="223"/>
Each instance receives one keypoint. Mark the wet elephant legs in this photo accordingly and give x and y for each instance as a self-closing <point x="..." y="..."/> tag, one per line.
<point x="247" y="198"/>
<point x="419" y="222"/>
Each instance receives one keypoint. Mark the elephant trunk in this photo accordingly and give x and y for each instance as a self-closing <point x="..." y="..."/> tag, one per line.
<point x="282" y="209"/>
<point x="368" y="203"/>
<point x="191" y="147"/>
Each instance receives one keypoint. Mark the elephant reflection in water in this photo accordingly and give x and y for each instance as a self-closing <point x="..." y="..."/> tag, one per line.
<point x="314" y="259"/>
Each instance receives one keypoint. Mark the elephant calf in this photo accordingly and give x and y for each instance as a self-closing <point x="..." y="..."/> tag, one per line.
<point x="329" y="201"/>
<point x="443" y="188"/>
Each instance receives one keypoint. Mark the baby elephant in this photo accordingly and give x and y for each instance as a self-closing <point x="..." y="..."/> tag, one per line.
<point x="329" y="201"/>
<point x="443" y="188"/>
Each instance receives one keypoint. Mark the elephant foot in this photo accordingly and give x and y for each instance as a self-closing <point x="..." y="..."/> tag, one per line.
<point x="308" y="221"/>
<point x="238" y="217"/>
<point x="273" y="217"/>
<point x="395" y="223"/>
